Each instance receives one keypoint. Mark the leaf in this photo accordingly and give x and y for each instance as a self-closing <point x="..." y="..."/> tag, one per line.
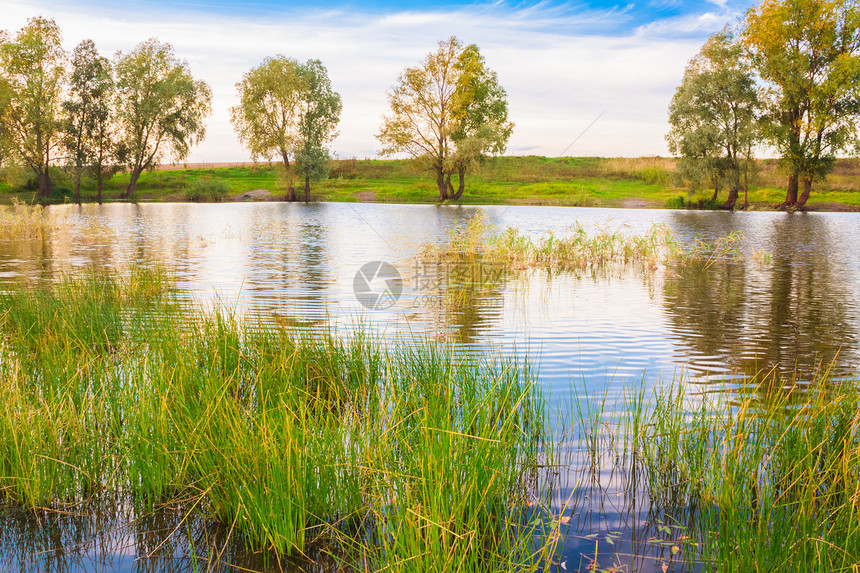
<point x="609" y="540"/>
<point x="665" y="567"/>
<point x="675" y="549"/>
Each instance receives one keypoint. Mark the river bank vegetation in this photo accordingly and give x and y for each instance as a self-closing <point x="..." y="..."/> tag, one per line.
<point x="416" y="458"/>
<point x="405" y="457"/>
<point x="651" y="182"/>
<point x="767" y="479"/>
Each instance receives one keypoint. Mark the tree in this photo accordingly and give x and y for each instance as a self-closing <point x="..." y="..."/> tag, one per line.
<point x="806" y="52"/>
<point x="160" y="108"/>
<point x="87" y="114"/>
<point x="447" y="113"/>
<point x="712" y="116"/>
<point x="285" y="109"/>
<point x="267" y="117"/>
<point x="32" y="71"/>
<point x="320" y="108"/>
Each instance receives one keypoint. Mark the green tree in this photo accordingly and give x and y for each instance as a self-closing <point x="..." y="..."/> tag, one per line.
<point x="447" y="113"/>
<point x="712" y="116"/>
<point x="32" y="71"/>
<point x="481" y="125"/>
<point x="320" y="108"/>
<point x="267" y="117"/>
<point x="160" y="108"/>
<point x="806" y="52"/>
<point x="87" y="113"/>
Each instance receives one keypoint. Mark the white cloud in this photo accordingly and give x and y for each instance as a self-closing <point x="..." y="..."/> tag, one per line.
<point x="559" y="75"/>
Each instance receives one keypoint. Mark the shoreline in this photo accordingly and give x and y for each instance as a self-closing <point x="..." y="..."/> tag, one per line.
<point x="630" y="183"/>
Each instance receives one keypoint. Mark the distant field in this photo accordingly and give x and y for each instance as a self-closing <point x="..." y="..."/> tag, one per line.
<point x="530" y="180"/>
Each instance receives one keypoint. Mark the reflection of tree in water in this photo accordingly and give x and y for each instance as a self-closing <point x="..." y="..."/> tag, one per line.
<point x="294" y="280"/>
<point x="794" y="313"/>
<point x="463" y="299"/>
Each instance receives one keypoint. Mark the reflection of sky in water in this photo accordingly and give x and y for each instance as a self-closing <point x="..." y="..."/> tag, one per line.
<point x="614" y="328"/>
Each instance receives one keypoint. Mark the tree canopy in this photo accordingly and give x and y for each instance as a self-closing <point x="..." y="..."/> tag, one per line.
<point x="160" y="108"/>
<point x="712" y="116"/>
<point x="287" y="108"/>
<point x="31" y="84"/>
<point x="806" y="53"/>
<point x="447" y="113"/>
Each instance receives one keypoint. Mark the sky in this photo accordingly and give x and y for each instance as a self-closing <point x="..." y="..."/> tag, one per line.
<point x="586" y="78"/>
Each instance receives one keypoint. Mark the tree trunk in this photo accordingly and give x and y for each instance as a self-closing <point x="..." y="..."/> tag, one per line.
<point x="44" y="184"/>
<point x="291" y="193"/>
<point x="307" y="189"/>
<point x="129" y="192"/>
<point x="461" y="174"/>
<point x="99" y="187"/>
<point x="791" y="194"/>
<point x="441" y="184"/>
<point x="733" y="198"/>
<point x="714" y="196"/>
<point x="78" y="190"/>
<point x="804" y="197"/>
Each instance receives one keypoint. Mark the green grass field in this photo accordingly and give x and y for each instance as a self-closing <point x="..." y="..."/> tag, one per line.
<point x="531" y="180"/>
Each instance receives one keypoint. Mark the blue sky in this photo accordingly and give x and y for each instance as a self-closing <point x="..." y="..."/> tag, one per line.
<point x="563" y="64"/>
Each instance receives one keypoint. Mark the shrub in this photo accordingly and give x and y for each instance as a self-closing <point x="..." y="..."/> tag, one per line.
<point x="676" y="203"/>
<point x="207" y="188"/>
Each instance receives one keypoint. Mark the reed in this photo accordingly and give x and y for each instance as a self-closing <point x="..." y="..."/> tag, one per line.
<point x="414" y="457"/>
<point x="762" y="481"/>
<point x="578" y="249"/>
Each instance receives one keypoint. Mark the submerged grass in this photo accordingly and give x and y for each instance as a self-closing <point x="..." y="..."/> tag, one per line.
<point x="768" y="481"/>
<point x="414" y="458"/>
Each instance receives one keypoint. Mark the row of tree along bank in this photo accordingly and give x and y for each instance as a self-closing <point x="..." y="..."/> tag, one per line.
<point x="788" y="76"/>
<point x="97" y="117"/>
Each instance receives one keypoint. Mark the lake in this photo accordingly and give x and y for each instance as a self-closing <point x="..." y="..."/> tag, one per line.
<point x="795" y="310"/>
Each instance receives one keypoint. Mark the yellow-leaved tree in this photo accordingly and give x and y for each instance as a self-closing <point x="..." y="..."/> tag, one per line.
<point x="447" y="114"/>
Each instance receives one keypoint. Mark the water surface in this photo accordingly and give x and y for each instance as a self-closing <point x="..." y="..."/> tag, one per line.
<point x="797" y="311"/>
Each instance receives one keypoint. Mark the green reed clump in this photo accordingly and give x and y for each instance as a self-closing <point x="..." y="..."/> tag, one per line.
<point x="414" y="456"/>
<point x="763" y="482"/>
<point x="579" y="249"/>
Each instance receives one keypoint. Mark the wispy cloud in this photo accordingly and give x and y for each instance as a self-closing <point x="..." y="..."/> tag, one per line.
<point x="562" y="64"/>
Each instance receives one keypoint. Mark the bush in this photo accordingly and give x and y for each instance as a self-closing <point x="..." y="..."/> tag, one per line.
<point x="676" y="203"/>
<point x="207" y="188"/>
<point x="654" y="176"/>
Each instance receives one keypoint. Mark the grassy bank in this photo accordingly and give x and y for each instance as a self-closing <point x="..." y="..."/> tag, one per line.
<point x="411" y="458"/>
<point x="572" y="181"/>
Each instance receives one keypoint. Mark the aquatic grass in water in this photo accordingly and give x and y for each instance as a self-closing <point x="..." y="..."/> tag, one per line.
<point x="579" y="249"/>
<point x="416" y="458"/>
<point x="25" y="222"/>
<point x="763" y="482"/>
